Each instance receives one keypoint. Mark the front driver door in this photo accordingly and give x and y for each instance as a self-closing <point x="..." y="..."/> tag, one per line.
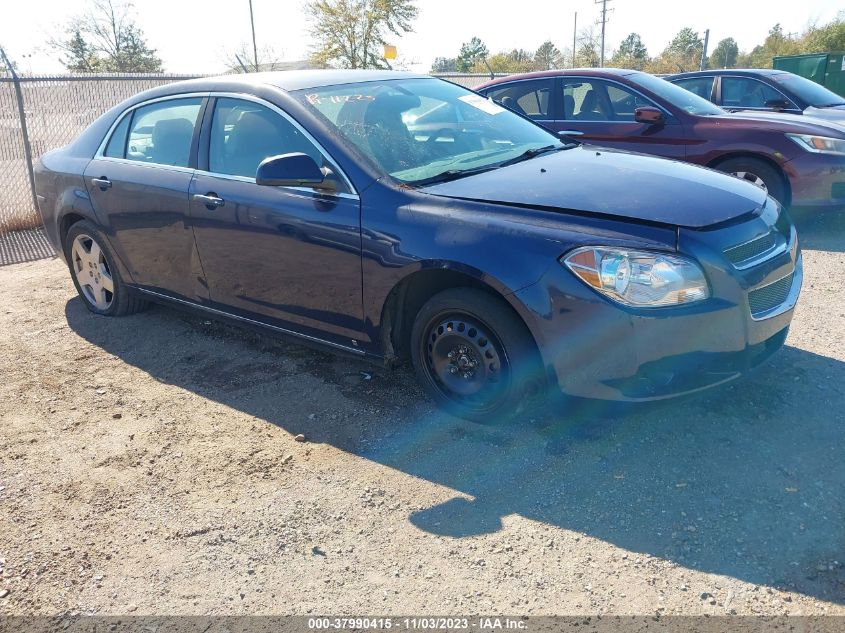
<point x="602" y="112"/>
<point x="290" y="257"/>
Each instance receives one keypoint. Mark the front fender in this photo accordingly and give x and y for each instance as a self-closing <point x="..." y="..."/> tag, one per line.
<point x="505" y="248"/>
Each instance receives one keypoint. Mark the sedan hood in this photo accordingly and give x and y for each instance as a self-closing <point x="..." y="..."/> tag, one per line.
<point x="808" y="123"/>
<point x="591" y="180"/>
<point x="832" y="113"/>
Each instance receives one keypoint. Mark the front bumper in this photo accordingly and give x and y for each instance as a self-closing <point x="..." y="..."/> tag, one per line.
<point x="817" y="181"/>
<point x="594" y="348"/>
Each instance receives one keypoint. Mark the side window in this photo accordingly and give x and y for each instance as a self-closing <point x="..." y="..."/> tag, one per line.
<point x="573" y="99"/>
<point x="244" y="133"/>
<point x="624" y="102"/>
<point x="162" y="132"/>
<point x="744" y="92"/>
<point x="701" y="86"/>
<point x="597" y="100"/>
<point x="530" y="98"/>
<point x="116" y="147"/>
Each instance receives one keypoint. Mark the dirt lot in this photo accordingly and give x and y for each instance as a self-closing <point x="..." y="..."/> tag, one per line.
<point x="148" y="465"/>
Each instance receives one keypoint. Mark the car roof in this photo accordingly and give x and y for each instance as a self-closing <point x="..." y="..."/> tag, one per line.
<point x="729" y="71"/>
<point x="290" y="80"/>
<point x="592" y="72"/>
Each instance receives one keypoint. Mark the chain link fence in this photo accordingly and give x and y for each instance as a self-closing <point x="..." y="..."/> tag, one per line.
<point x="41" y="113"/>
<point x="51" y="111"/>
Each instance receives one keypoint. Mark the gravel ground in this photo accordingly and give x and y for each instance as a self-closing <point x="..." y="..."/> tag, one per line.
<point x="150" y="465"/>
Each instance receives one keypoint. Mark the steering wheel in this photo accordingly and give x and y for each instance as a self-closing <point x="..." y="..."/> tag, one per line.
<point x="444" y="131"/>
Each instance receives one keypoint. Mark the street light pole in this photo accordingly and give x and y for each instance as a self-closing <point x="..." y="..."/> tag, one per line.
<point x="703" y="64"/>
<point x="254" y="46"/>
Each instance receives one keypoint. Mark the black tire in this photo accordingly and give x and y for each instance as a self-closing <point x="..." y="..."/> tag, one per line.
<point x="754" y="169"/>
<point x="495" y="375"/>
<point x="121" y="300"/>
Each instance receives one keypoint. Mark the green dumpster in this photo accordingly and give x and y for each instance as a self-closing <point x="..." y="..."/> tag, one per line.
<point x="827" y="69"/>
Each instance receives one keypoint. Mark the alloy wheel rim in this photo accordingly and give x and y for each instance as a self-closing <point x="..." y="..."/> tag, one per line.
<point x="466" y="360"/>
<point x="753" y="178"/>
<point x="92" y="272"/>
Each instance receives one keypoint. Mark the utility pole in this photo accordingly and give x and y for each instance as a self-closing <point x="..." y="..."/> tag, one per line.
<point x="254" y="47"/>
<point x="574" y="37"/>
<point x="603" y="22"/>
<point x="704" y="52"/>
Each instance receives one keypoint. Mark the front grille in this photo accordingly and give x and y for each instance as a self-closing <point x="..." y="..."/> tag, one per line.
<point x="769" y="297"/>
<point x="752" y="249"/>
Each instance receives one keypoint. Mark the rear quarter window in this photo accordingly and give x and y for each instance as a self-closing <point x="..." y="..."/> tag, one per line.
<point x="116" y="147"/>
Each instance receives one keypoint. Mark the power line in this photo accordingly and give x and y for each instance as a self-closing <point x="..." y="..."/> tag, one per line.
<point x="603" y="22"/>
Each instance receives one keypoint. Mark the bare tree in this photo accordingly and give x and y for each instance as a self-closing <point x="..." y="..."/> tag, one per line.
<point x="588" y="49"/>
<point x="242" y="59"/>
<point x="106" y="39"/>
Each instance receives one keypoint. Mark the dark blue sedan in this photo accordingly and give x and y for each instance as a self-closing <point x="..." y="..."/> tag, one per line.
<point x="395" y="216"/>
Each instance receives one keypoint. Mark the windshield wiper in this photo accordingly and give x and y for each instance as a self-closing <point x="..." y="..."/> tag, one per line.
<point x="531" y="153"/>
<point x="451" y="174"/>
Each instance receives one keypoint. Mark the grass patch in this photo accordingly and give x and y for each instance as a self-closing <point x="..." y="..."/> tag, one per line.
<point x="19" y="221"/>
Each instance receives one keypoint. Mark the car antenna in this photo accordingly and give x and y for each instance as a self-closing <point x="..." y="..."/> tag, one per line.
<point x="492" y="74"/>
<point x="244" y="68"/>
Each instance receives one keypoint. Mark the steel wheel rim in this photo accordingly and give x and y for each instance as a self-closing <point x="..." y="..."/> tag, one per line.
<point x="753" y="178"/>
<point x="466" y="361"/>
<point x="92" y="272"/>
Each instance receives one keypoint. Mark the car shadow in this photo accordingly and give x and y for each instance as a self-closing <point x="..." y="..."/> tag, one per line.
<point x="744" y="481"/>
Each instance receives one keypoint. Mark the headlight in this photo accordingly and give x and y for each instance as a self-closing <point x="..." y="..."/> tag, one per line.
<point x="819" y="144"/>
<point x="639" y="278"/>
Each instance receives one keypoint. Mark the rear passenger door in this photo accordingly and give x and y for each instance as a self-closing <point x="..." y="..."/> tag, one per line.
<point x="534" y="98"/>
<point x="138" y="183"/>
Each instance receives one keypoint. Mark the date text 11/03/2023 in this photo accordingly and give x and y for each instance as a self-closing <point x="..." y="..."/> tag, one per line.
<point x="484" y="623"/>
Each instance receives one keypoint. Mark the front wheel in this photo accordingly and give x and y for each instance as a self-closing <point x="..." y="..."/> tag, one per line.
<point x="757" y="173"/>
<point x="475" y="357"/>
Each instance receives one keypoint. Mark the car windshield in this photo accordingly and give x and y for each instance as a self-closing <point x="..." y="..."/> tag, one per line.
<point x="426" y="130"/>
<point x="677" y="96"/>
<point x="811" y="92"/>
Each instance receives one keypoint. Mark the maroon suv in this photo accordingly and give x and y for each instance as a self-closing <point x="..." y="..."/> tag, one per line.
<point x="799" y="162"/>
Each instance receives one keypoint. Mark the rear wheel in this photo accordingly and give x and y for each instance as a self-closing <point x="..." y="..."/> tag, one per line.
<point x="476" y="358"/>
<point x="759" y="173"/>
<point x="95" y="276"/>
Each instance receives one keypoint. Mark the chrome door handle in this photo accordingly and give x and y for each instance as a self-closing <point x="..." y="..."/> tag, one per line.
<point x="570" y="133"/>
<point x="103" y="183"/>
<point x="210" y="200"/>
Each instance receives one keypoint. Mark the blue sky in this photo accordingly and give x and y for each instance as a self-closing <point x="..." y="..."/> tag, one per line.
<point x="193" y="36"/>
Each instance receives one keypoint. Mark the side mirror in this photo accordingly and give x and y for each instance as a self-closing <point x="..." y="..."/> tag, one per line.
<point x="777" y="104"/>
<point x="289" y="170"/>
<point x="649" y="115"/>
